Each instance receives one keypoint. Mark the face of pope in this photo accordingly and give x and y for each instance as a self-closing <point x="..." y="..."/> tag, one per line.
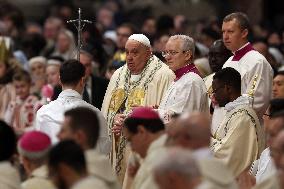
<point x="137" y="55"/>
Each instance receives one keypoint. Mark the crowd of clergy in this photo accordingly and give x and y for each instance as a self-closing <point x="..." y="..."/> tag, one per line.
<point x="174" y="114"/>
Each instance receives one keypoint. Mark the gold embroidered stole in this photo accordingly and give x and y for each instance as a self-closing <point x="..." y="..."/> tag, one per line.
<point x="124" y="96"/>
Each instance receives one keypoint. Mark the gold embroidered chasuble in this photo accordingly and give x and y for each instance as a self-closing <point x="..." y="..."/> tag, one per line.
<point x="122" y="94"/>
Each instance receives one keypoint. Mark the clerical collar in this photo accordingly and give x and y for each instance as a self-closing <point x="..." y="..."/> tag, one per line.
<point x="184" y="70"/>
<point x="242" y="51"/>
<point x="135" y="78"/>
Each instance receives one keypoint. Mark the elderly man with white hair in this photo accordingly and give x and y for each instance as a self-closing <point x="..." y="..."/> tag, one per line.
<point x="179" y="169"/>
<point x="188" y="91"/>
<point x="142" y="81"/>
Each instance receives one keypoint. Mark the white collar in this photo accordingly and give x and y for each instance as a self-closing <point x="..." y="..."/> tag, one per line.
<point x="69" y="93"/>
<point x="241" y="47"/>
<point x="241" y="100"/>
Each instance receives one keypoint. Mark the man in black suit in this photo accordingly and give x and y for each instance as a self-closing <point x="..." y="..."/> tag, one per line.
<point x="95" y="88"/>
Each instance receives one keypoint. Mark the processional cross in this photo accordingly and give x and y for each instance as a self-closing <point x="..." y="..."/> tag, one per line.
<point x="79" y="24"/>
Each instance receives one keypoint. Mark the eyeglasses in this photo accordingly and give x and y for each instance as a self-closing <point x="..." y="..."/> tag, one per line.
<point x="268" y="115"/>
<point x="171" y="53"/>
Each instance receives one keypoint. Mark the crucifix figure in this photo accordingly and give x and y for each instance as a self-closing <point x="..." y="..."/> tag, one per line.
<point x="79" y="24"/>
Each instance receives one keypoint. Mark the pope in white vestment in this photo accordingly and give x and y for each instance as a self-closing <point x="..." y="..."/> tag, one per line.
<point x="239" y="140"/>
<point x="50" y="117"/>
<point x="125" y="91"/>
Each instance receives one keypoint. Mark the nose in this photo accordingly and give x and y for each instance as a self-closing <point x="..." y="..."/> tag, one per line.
<point x="274" y="88"/>
<point x="225" y="36"/>
<point x="129" y="58"/>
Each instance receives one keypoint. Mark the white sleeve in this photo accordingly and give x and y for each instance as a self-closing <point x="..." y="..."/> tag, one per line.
<point x="104" y="142"/>
<point x="190" y="96"/>
<point x="263" y="87"/>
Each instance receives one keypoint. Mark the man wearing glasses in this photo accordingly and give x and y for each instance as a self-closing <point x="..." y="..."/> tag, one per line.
<point x="188" y="91"/>
<point x="238" y="140"/>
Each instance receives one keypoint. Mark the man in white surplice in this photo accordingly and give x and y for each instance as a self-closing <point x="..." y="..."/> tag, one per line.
<point x="188" y="91"/>
<point x="50" y="117"/>
<point x="256" y="72"/>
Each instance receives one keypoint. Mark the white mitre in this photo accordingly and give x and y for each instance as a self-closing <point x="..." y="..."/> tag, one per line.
<point x="141" y="38"/>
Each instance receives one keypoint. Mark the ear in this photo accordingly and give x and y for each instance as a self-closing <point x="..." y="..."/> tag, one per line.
<point x="188" y="56"/>
<point x="80" y="137"/>
<point x="245" y="33"/>
<point x="148" y="52"/>
<point x="141" y="129"/>
<point x="26" y="164"/>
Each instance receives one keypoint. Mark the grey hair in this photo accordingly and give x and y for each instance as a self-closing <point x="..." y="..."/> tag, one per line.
<point x="179" y="161"/>
<point x="188" y="43"/>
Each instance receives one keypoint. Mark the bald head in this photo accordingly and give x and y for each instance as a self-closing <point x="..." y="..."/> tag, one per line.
<point x="170" y="171"/>
<point x="192" y="131"/>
